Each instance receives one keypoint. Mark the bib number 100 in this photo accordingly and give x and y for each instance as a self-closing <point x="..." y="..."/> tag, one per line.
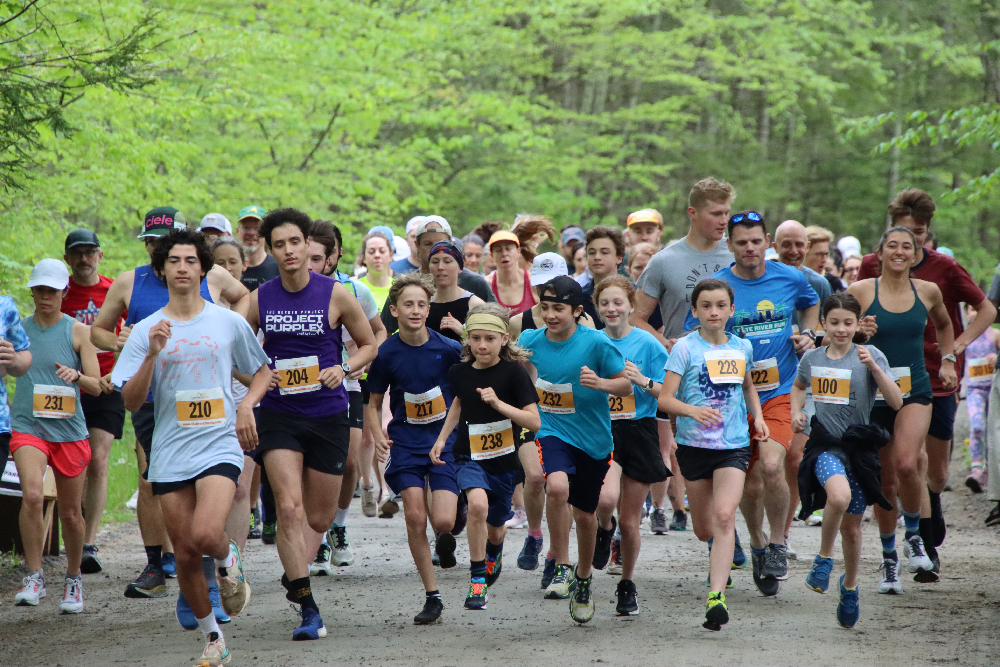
<point x="827" y="385"/>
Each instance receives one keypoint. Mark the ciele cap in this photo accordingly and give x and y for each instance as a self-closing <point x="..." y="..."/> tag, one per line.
<point x="161" y="221"/>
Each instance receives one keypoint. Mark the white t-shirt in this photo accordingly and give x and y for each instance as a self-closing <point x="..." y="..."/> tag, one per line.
<point x="370" y="309"/>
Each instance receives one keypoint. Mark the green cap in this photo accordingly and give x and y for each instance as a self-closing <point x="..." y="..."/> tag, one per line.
<point x="161" y="221"/>
<point x="252" y="211"/>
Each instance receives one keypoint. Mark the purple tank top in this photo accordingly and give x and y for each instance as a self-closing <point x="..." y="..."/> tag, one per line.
<point x="299" y="341"/>
<point x="978" y="349"/>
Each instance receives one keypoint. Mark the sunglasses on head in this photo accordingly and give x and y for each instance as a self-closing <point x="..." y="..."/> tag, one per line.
<point x="751" y="216"/>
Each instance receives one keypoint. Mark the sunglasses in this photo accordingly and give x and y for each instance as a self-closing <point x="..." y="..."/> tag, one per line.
<point x="751" y="216"/>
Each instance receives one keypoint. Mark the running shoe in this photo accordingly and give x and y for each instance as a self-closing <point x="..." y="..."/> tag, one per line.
<point x="976" y="480"/>
<point x="519" y="520"/>
<point x="627" y="605"/>
<point x="461" y="515"/>
<point x="913" y="550"/>
<point x="478" y="594"/>
<point x="680" y="520"/>
<point x="602" y="548"/>
<point x="929" y="576"/>
<point x="791" y="553"/>
<point x="646" y="509"/>
<point x="818" y="578"/>
<point x="388" y="507"/>
<point x="320" y="567"/>
<point x="32" y="590"/>
<point x="233" y="587"/>
<point x="890" y="584"/>
<point x="562" y="583"/>
<point x="548" y="572"/>
<point x="815" y="519"/>
<point x="532" y="549"/>
<point x="993" y="518"/>
<point x="269" y="532"/>
<point x="739" y="556"/>
<point x="658" y="522"/>
<point x="90" y="564"/>
<point x="615" y="567"/>
<point x="768" y="586"/>
<point x="444" y="547"/>
<point x="431" y="613"/>
<point x="342" y="555"/>
<point x="311" y="627"/>
<point x="255" y="531"/>
<point x="216" y="652"/>
<point x="716" y="612"/>
<point x="493" y="568"/>
<point x="708" y="581"/>
<point x="169" y="565"/>
<point x="849" y="609"/>
<point x="775" y="562"/>
<point x="150" y="584"/>
<point x="369" y="501"/>
<point x="581" y="604"/>
<point x="186" y="617"/>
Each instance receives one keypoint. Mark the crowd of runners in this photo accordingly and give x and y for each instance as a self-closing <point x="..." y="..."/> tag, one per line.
<point x="478" y="385"/>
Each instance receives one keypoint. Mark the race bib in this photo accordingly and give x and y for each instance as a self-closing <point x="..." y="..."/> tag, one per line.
<point x="50" y="401"/>
<point x="555" y="398"/>
<point x="831" y="385"/>
<point x="200" y="408"/>
<point x="726" y="366"/>
<point x="622" y="407"/>
<point x="426" y="407"/>
<point x="489" y="441"/>
<point x="979" y="368"/>
<point x="764" y="374"/>
<point x="297" y="376"/>
<point x="903" y="381"/>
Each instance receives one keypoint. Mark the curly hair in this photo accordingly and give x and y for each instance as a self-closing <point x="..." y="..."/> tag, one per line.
<point x="710" y="190"/>
<point x="510" y="351"/>
<point x="528" y="229"/>
<point x="285" y="216"/>
<point x="161" y="250"/>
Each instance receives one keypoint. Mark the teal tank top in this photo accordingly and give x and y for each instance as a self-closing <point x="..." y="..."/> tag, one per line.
<point x="59" y="415"/>
<point x="900" y="337"/>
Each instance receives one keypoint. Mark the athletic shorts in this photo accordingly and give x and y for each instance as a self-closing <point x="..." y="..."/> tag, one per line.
<point x="355" y="410"/>
<point x="637" y="450"/>
<point x="407" y="468"/>
<point x="499" y="489"/>
<point x="885" y="416"/>
<point x="143" y="422"/>
<point x="943" y="417"/>
<point x="70" y="459"/>
<point x="828" y="465"/>
<point x="586" y="474"/>
<point x="4" y="448"/>
<point x="322" y="441"/>
<point x="227" y="470"/>
<point x="701" y="463"/>
<point x="777" y="413"/>
<point x="106" y="412"/>
<point x="528" y="440"/>
<point x="364" y="390"/>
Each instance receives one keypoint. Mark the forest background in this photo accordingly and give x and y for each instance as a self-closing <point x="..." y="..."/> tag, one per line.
<point x="369" y="112"/>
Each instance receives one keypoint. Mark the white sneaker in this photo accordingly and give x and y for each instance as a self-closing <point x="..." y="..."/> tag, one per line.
<point x="133" y="502"/>
<point x="216" y="653"/>
<point x="72" y="599"/>
<point x="519" y="520"/>
<point x="32" y="591"/>
<point x="321" y="564"/>
<point x="369" y="501"/>
<point x="890" y="584"/>
<point x="792" y="555"/>
<point x="815" y="519"/>
<point x="913" y="549"/>
<point x="341" y="549"/>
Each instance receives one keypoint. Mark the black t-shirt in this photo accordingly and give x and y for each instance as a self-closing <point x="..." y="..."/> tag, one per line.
<point x="513" y="386"/>
<point x="255" y="276"/>
<point x="459" y="309"/>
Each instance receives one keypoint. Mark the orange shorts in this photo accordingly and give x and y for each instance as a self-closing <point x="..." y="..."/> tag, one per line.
<point x="778" y="417"/>
<point x="69" y="459"/>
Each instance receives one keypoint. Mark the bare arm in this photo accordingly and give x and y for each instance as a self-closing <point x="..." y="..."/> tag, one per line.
<point x="253" y="313"/>
<point x="945" y="334"/>
<point x="90" y="380"/>
<point x="246" y="423"/>
<point x="450" y="422"/>
<point x="354" y="320"/>
<point x="761" y="431"/>
<point x="514" y="328"/>
<point x="986" y="312"/>
<point x="798" y="402"/>
<point x="230" y="289"/>
<point x="102" y="331"/>
<point x="13" y="363"/>
<point x="633" y="374"/>
<point x="373" y="418"/>
<point x="644" y="307"/>
<point x="616" y="385"/>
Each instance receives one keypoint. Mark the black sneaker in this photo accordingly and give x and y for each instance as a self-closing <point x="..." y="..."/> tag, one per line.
<point x="431" y="613"/>
<point x="150" y="584"/>
<point x="775" y="565"/>
<point x="767" y="586"/>
<point x="548" y="572"/>
<point x="444" y="547"/>
<point x="461" y="515"/>
<point x="680" y="520"/>
<point x="602" y="549"/>
<point x="255" y="532"/>
<point x="929" y="576"/>
<point x="627" y="603"/>
<point x="493" y="569"/>
<point x="993" y="518"/>
<point x="90" y="563"/>
<point x="269" y="532"/>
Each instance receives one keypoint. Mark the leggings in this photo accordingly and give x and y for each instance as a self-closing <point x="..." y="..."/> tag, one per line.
<point x="977" y="401"/>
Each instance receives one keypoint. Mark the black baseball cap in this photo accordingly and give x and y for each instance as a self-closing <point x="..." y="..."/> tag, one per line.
<point x="81" y="237"/>
<point x="566" y="290"/>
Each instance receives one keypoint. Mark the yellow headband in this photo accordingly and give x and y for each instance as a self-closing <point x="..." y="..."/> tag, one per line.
<point x="485" y="322"/>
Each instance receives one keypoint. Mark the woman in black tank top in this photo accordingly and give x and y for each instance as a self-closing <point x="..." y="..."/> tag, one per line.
<point x="450" y="303"/>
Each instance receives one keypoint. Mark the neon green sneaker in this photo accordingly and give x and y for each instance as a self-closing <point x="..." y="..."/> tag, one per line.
<point x="563" y="583"/>
<point x="581" y="604"/>
<point x="716" y="612"/>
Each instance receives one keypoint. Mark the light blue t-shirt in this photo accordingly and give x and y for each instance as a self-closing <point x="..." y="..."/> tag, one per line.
<point x="190" y="434"/>
<point x="765" y="309"/>
<point x="687" y="359"/>
<point x="588" y="426"/>
<point x="12" y="332"/>
<point x="643" y="350"/>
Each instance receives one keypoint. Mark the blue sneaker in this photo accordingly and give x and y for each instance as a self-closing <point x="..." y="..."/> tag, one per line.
<point x="739" y="556"/>
<point x="818" y="578"/>
<point x="532" y="549"/>
<point x="169" y="564"/>
<point x="849" y="609"/>
<point x="184" y="614"/>
<point x="312" y="625"/>
<point x="220" y="614"/>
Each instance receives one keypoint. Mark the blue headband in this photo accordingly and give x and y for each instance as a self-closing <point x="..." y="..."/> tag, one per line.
<point x="448" y="248"/>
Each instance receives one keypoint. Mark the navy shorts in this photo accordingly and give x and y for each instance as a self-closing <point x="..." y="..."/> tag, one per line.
<point x="406" y="468"/>
<point x="227" y="470"/>
<point x="586" y="474"/>
<point x="943" y="409"/>
<point x="499" y="489"/>
<point x="828" y="465"/>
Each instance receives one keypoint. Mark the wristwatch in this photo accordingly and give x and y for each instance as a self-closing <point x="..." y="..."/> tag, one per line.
<point x="649" y="384"/>
<point x="346" y="367"/>
<point x="950" y="357"/>
<point x="808" y="332"/>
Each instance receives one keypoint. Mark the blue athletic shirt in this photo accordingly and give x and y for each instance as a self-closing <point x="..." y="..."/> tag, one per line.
<point x="765" y="312"/>
<point x="11" y="331"/>
<point x="643" y="350"/>
<point x="588" y="428"/>
<point x="687" y="359"/>
<point x="409" y="374"/>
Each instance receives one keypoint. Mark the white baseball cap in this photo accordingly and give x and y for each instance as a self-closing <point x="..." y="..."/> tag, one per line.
<point x="547" y="266"/>
<point x="401" y="249"/>
<point x="49" y="273"/>
<point x="216" y="221"/>
<point x="412" y="223"/>
<point x="442" y="228"/>
<point x="849" y="246"/>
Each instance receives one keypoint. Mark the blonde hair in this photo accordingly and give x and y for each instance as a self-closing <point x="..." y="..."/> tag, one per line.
<point x="413" y="278"/>
<point x="640" y="249"/>
<point x="817" y="234"/>
<point x="710" y="190"/>
<point x="616" y="280"/>
<point x="510" y="351"/>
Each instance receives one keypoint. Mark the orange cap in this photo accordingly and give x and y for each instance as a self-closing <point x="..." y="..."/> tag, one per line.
<point x="645" y="215"/>
<point x="503" y="235"/>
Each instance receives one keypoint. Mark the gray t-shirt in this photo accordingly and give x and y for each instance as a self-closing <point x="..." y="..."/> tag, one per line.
<point x="192" y="389"/>
<point x="671" y="275"/>
<point x="837" y="406"/>
<point x="994" y="293"/>
<point x="818" y="283"/>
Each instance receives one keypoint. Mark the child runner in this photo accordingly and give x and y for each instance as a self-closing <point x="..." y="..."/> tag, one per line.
<point x="708" y="370"/>
<point x="489" y="386"/>
<point x="49" y="429"/>
<point x="577" y="367"/>
<point x="981" y="358"/>
<point x="639" y="459"/>
<point x="412" y="365"/>
<point x="845" y="379"/>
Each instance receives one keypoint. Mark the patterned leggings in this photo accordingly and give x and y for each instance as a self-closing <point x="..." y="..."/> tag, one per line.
<point x="977" y="401"/>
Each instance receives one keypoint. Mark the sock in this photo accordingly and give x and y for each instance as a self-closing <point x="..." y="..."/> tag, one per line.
<point x="710" y="540"/>
<point x="888" y="543"/>
<point x="537" y="534"/>
<point x="758" y="551"/>
<point x="493" y="550"/>
<point x="437" y="594"/>
<point x="78" y="576"/>
<point x="549" y="555"/>
<point x="478" y="569"/>
<point x="208" y="567"/>
<point x="325" y="540"/>
<point x="209" y="625"/>
<point x="518" y="508"/>
<point x="912" y="521"/>
<point x="926" y="530"/>
<point x="935" y="503"/>
<point x="340" y="520"/>
<point x="300" y="592"/>
<point x="618" y="531"/>
<point x="228" y="561"/>
<point x="154" y="556"/>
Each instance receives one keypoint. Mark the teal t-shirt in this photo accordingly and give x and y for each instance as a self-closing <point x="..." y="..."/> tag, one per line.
<point x="643" y="350"/>
<point x="571" y="412"/>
